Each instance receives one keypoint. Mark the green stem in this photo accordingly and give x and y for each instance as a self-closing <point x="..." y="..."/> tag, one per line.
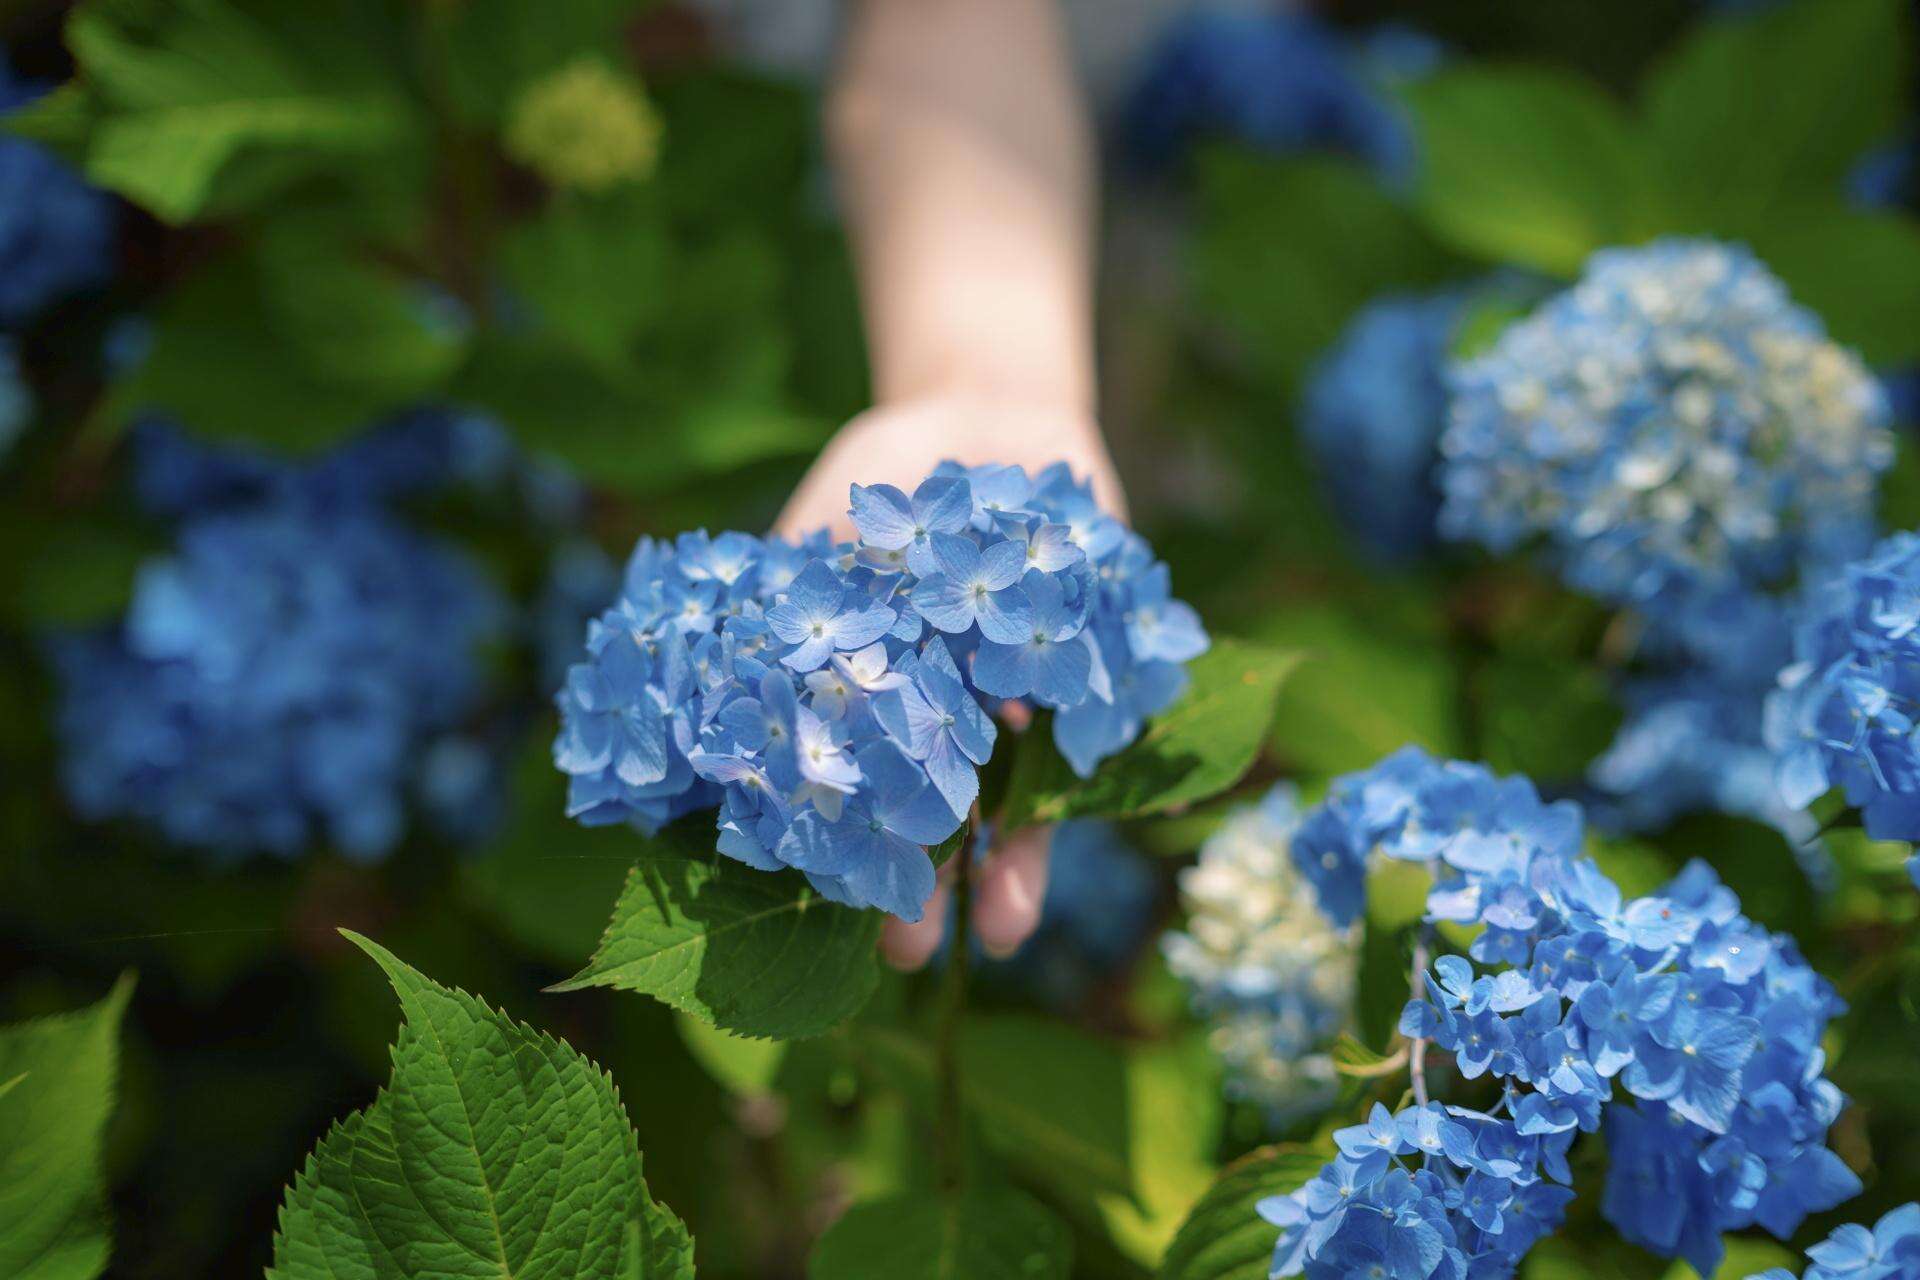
<point x="950" y="1123"/>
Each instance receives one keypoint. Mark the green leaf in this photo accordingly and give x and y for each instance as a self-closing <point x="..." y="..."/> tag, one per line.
<point x="1197" y="748"/>
<point x="1288" y="250"/>
<point x="593" y="269"/>
<point x="986" y="1233"/>
<point x="1859" y="270"/>
<point x="1768" y="107"/>
<point x="744" y="1066"/>
<point x="1530" y="167"/>
<point x="1363" y="690"/>
<point x="1223" y="1238"/>
<point x="496" y="48"/>
<point x="495" y="1150"/>
<point x="1544" y="716"/>
<point x="1051" y="1100"/>
<point x="1175" y="1106"/>
<point x="293" y="348"/>
<point x="80" y="570"/>
<point x="181" y="95"/>
<point x="59" y="1075"/>
<point x="753" y="952"/>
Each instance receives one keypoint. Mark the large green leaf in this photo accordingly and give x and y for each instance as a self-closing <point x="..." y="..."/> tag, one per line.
<point x="1777" y="105"/>
<point x="1050" y="1100"/>
<point x="987" y="1233"/>
<point x="1531" y="167"/>
<point x="753" y="952"/>
<point x="593" y="269"/>
<point x="1223" y="1238"/>
<point x="1198" y="747"/>
<point x="494" y="1151"/>
<point x="294" y="346"/>
<point x="1858" y="270"/>
<point x="179" y="95"/>
<point x="56" y="1091"/>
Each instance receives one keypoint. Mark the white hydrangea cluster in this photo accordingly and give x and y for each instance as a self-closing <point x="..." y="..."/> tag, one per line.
<point x="1266" y="967"/>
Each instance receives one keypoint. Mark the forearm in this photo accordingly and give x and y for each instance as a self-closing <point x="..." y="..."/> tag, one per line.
<point x="966" y="169"/>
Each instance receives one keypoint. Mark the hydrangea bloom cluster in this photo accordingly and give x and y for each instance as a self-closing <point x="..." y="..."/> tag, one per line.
<point x="1846" y="708"/>
<point x="1889" y="1250"/>
<point x="55" y="230"/>
<point x="1686" y="1031"/>
<point x="832" y="701"/>
<point x="279" y="675"/>
<point x="1372" y="418"/>
<point x="1267" y="968"/>
<point x="1692" y="743"/>
<point x="1673" y="427"/>
<point x="1276" y="78"/>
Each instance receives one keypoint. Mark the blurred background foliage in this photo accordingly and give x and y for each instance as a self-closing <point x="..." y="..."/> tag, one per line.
<point x="597" y="226"/>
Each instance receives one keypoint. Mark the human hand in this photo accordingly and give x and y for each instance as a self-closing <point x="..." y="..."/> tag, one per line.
<point x="900" y="444"/>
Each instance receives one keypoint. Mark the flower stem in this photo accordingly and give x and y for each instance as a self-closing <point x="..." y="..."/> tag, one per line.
<point x="1417" y="1051"/>
<point x="950" y="1119"/>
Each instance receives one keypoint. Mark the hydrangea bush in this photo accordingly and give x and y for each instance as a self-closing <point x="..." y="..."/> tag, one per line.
<point x="1686" y="1033"/>
<point x="281" y="673"/>
<point x="1267" y="969"/>
<point x="832" y="702"/>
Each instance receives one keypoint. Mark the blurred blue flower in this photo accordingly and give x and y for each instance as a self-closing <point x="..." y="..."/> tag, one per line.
<point x="276" y="679"/>
<point x="1675" y="431"/>
<point x="56" y="232"/>
<point x="1278" y="79"/>
<point x="1883" y="178"/>
<point x="1372" y="417"/>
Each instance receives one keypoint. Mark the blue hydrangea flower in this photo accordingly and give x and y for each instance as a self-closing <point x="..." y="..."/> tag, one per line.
<point x="1690" y="744"/>
<point x="830" y="702"/>
<point x="276" y="679"/>
<point x="56" y="232"/>
<point x="1687" y="1032"/>
<point x="1673" y="429"/>
<point x="1265" y="965"/>
<point x="1372" y="418"/>
<point x="1889" y="1250"/>
<point x="1844" y="714"/>
<point x="1278" y="79"/>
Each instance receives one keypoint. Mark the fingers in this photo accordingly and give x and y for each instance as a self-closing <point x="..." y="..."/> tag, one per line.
<point x="909" y="946"/>
<point x="1011" y="888"/>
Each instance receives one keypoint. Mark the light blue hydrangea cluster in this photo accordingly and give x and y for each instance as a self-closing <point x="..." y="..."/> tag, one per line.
<point x="1847" y="706"/>
<point x="1688" y="1033"/>
<point x="1278" y="79"/>
<point x="832" y="701"/>
<point x="1269" y="971"/>
<point x="1692" y="743"/>
<point x="279" y="675"/>
<point x="1889" y="1250"/>
<point x="1673" y="428"/>
<point x="56" y="232"/>
<point x="1372" y="417"/>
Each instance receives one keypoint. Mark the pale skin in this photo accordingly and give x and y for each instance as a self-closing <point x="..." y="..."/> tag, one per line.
<point x="965" y="166"/>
